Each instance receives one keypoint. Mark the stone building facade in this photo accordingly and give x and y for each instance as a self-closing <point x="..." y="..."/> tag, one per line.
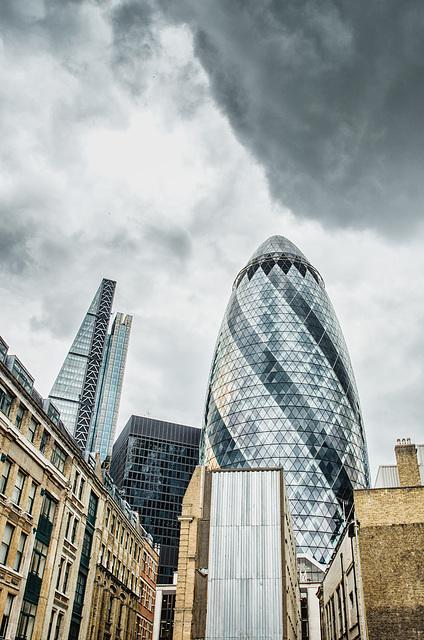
<point x="391" y="546"/>
<point x="74" y="560"/>
<point x="374" y="586"/>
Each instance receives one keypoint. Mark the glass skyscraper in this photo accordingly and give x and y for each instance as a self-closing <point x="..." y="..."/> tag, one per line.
<point x="152" y="463"/>
<point x="109" y="390"/>
<point x="282" y="392"/>
<point x="87" y="390"/>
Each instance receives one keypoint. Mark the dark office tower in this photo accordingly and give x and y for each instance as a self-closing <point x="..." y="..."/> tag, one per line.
<point x="282" y="393"/>
<point x="87" y="389"/>
<point x="152" y="463"/>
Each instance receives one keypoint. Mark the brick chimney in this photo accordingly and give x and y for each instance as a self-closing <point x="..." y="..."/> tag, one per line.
<point x="407" y="463"/>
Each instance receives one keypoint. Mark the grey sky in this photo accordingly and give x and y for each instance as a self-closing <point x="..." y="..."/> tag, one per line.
<point x="160" y="143"/>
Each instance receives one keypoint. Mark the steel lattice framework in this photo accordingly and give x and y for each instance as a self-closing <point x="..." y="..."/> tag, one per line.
<point x="94" y="362"/>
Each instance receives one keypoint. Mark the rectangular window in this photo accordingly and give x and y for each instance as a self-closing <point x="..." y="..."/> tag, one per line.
<point x="4" y="476"/>
<point x="6" y="615"/>
<point x="74" y="530"/>
<point x="68" y="524"/>
<point x="66" y="577"/>
<point x="86" y="544"/>
<point x="31" y="497"/>
<point x="26" y="621"/>
<point x="117" y="529"/>
<point x="109" y="613"/>
<point x="32" y="429"/>
<point x="58" y="626"/>
<point x="38" y="560"/>
<point x="107" y="518"/>
<point x="81" y="489"/>
<point x="49" y="508"/>
<point x="18" y="488"/>
<point x="59" y="575"/>
<point x="102" y="553"/>
<point x="112" y="526"/>
<point x="19" y="416"/>
<point x="5" y="401"/>
<point x="80" y="589"/>
<point x="92" y="508"/>
<point x="20" y="552"/>
<point x="74" y="488"/>
<point x="59" y="457"/>
<point x="54" y="611"/>
<point x="5" y="545"/>
<point x="43" y="442"/>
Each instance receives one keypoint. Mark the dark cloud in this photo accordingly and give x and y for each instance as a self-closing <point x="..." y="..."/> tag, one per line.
<point x="328" y="96"/>
<point x="134" y="26"/>
<point x="15" y="244"/>
<point x="169" y="242"/>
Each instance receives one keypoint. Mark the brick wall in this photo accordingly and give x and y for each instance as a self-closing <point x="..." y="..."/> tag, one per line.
<point x="391" y="545"/>
<point x="407" y="464"/>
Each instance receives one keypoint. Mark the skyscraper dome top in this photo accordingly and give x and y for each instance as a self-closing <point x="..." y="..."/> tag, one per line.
<point x="279" y="251"/>
<point x="277" y="246"/>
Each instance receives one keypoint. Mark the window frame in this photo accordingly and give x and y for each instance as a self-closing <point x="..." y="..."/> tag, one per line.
<point x="39" y="559"/>
<point x="5" y="543"/>
<point x="31" y="433"/>
<point x="66" y="577"/>
<point x="26" y="619"/>
<point x="20" y="552"/>
<point x="6" y="615"/>
<point x="18" y="489"/>
<point x="4" y="478"/>
<point x="19" y="417"/>
<point x="31" y="498"/>
<point x="6" y="401"/>
<point x="58" y="458"/>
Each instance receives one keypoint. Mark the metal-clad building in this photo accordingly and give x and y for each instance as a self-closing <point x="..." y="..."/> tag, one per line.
<point x="237" y="571"/>
<point x="152" y="463"/>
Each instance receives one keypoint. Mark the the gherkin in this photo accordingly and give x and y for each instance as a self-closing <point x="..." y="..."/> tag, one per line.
<point x="282" y="393"/>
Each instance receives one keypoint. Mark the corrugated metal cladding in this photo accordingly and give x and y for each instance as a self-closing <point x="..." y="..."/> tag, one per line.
<point x="387" y="475"/>
<point x="244" y="579"/>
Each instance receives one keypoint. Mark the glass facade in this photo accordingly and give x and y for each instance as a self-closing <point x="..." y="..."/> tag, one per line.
<point x="87" y="390"/>
<point x="108" y="396"/>
<point x="67" y="388"/>
<point x="152" y="463"/>
<point x="282" y="392"/>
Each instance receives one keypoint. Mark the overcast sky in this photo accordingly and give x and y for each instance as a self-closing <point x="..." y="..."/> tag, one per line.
<point x="160" y="143"/>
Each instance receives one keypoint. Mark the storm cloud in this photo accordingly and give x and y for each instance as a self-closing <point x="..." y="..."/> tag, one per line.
<point x="159" y="143"/>
<point x="327" y="96"/>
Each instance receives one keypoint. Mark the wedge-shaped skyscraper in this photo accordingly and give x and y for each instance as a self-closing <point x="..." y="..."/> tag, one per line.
<point x="282" y="393"/>
<point x="87" y="390"/>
